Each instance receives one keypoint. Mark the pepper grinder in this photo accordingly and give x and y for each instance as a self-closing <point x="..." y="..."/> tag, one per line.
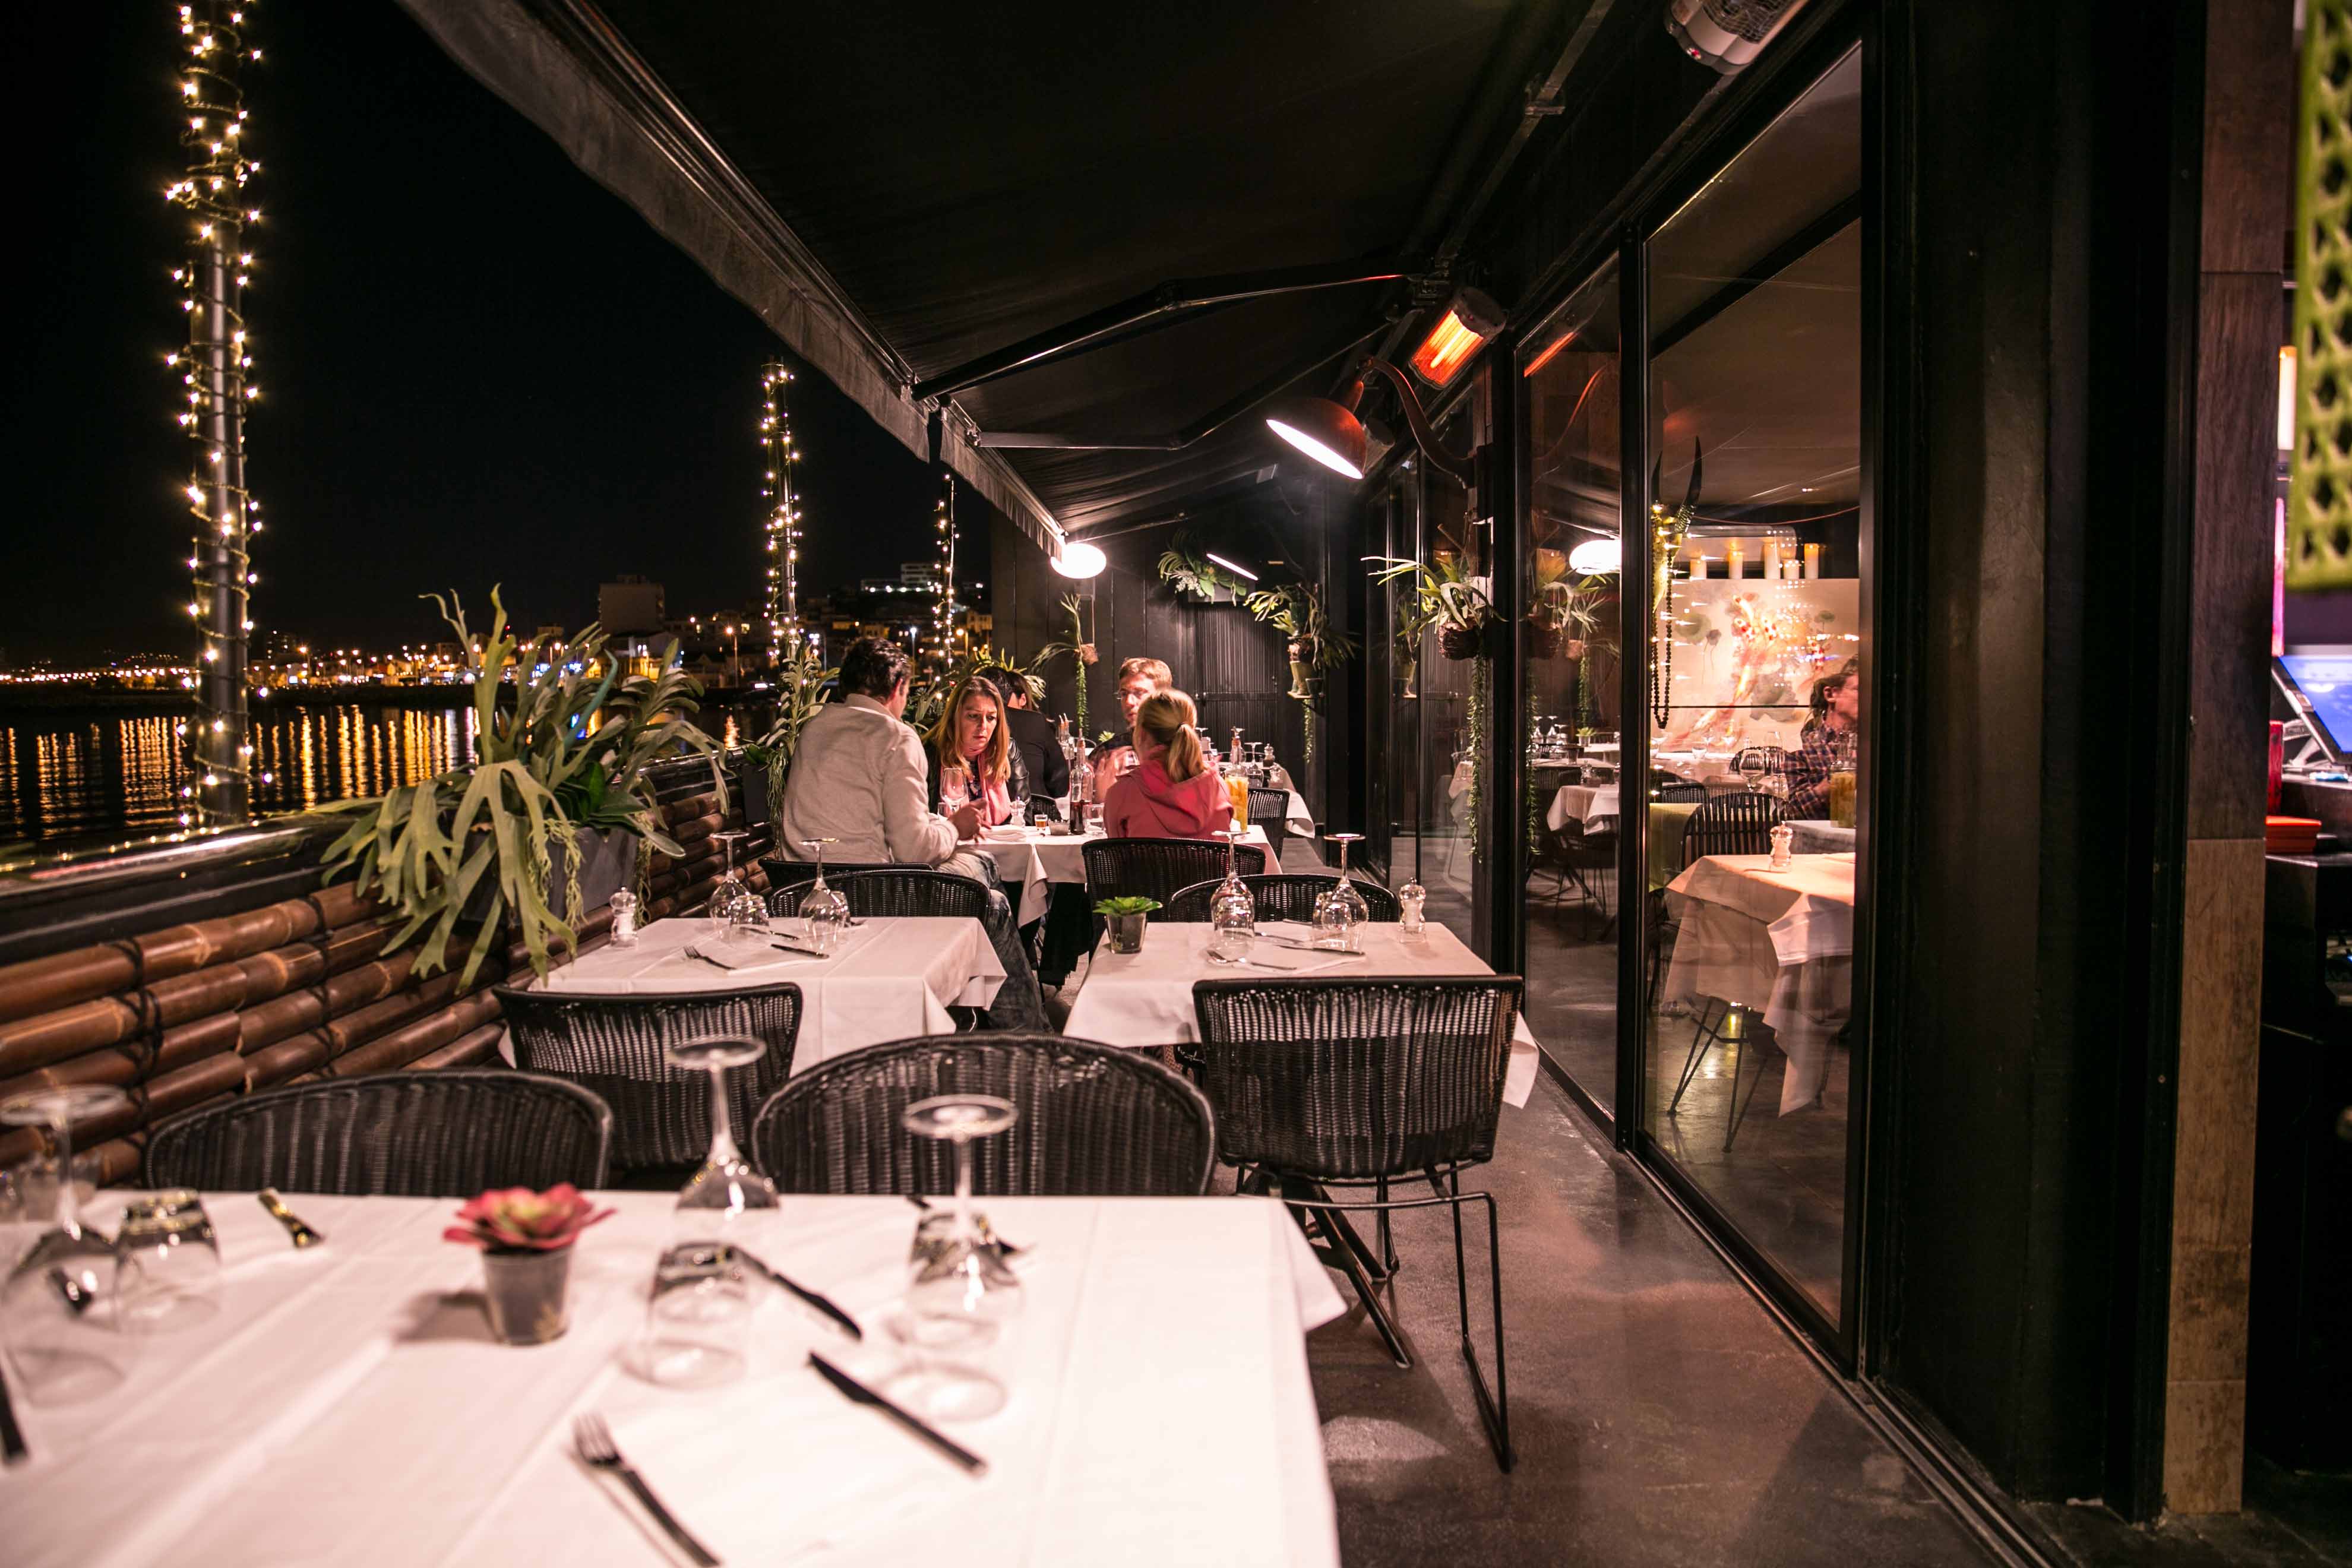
<point x="624" y="918"/>
<point x="1782" y="837"/>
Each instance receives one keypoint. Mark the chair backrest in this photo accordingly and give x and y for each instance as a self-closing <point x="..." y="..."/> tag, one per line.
<point x="447" y="1134"/>
<point x="612" y="1045"/>
<point x="1348" y="1080"/>
<point x="912" y="890"/>
<point x="1677" y="789"/>
<point x="1093" y="1120"/>
<point x="1270" y="809"/>
<point x="1280" y="896"/>
<point x="1738" y="824"/>
<point x="788" y="878"/>
<point x="1161" y="868"/>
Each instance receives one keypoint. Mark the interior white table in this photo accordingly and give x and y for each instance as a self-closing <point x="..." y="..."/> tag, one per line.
<point x="892" y="978"/>
<point x="1778" y="941"/>
<point x="1819" y="836"/>
<point x="1580" y="802"/>
<point x="1031" y="860"/>
<point x="347" y="1406"/>
<point x="1144" y="1000"/>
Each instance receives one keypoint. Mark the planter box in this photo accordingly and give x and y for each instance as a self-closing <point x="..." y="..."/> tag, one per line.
<point x="608" y="861"/>
<point x="752" y="782"/>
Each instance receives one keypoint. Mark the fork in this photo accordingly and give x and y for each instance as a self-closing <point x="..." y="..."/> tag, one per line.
<point x="594" y="1443"/>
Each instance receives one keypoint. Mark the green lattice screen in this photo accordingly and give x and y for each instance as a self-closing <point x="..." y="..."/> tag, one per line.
<point x="2319" y="496"/>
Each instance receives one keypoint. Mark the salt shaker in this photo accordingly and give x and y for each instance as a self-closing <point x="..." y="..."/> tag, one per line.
<point x="625" y="917"/>
<point x="1782" y="834"/>
<point x="1411" y="899"/>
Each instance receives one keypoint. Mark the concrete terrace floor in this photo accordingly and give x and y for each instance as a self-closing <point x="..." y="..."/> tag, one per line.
<point x="1660" y="1415"/>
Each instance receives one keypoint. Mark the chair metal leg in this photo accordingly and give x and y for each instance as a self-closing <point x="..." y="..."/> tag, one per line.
<point x="1743" y="1050"/>
<point x="1302" y="1196"/>
<point x="1388" y="1242"/>
<point x="1700" y="1036"/>
<point x="1494" y="1406"/>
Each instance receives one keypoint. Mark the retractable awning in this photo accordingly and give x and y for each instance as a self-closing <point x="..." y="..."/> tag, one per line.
<point x="904" y="192"/>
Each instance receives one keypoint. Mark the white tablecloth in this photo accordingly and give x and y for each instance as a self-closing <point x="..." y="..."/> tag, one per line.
<point x="346" y="1404"/>
<point x="1145" y="999"/>
<point x="1778" y="941"/>
<point x="1580" y="802"/>
<point x="892" y="979"/>
<point x="1031" y="862"/>
<point x="1819" y="836"/>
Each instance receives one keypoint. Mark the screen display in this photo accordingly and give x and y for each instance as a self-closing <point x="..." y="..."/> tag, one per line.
<point x="2326" y="683"/>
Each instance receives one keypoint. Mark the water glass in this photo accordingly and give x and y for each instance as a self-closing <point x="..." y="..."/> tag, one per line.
<point x="61" y="1306"/>
<point x="170" y="1237"/>
<point x="697" y="1317"/>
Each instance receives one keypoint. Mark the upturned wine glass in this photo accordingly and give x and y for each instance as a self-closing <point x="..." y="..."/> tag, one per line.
<point x="729" y="888"/>
<point x="825" y="908"/>
<point x="960" y="1288"/>
<point x="716" y="1201"/>
<point x="1233" y="913"/>
<point x="62" y="1308"/>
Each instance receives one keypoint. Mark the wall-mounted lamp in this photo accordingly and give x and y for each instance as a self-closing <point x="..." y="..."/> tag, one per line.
<point x="1081" y="560"/>
<point x="1459" y="335"/>
<point x="1332" y="434"/>
<point x="1236" y="569"/>
<point x="1596" y="557"/>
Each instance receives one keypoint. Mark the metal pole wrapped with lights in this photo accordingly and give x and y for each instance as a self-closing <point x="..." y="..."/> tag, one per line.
<point x="783" y="510"/>
<point x="943" y="612"/>
<point x="216" y="369"/>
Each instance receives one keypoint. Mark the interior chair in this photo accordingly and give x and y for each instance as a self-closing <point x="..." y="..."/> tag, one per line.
<point x="1279" y="896"/>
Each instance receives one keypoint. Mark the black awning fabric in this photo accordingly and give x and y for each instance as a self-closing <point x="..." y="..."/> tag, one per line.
<point x="969" y="175"/>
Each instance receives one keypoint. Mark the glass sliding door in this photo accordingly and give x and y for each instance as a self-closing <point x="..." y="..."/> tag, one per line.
<point x="1454" y="696"/>
<point x="1572" y="643"/>
<point x="1757" y="662"/>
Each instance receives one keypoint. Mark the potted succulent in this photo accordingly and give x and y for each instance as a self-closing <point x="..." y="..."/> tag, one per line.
<point x="1125" y="917"/>
<point x="525" y="1239"/>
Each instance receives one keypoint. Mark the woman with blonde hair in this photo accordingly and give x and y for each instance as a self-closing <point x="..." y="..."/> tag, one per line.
<point x="972" y="756"/>
<point x="1173" y="794"/>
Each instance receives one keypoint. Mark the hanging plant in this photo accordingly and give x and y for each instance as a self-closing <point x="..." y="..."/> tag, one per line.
<point x="1482" y="693"/>
<point x="1078" y="650"/>
<point x="1296" y="610"/>
<point x="1192" y="573"/>
<point x="1443" y="596"/>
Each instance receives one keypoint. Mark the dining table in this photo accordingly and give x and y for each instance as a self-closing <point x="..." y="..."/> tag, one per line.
<point x="1780" y="943"/>
<point x="347" y="1403"/>
<point x="1033" y="861"/>
<point x="1144" y="1000"/>
<point x="891" y="978"/>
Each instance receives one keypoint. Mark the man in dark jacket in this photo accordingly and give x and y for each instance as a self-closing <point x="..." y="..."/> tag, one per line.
<point x="1032" y="736"/>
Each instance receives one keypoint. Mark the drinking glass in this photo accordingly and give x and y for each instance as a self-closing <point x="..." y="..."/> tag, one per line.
<point x="62" y="1308"/>
<point x="1339" y="909"/>
<point x="1752" y="769"/>
<point x="1233" y="913"/>
<point x="955" y="789"/>
<point x="718" y="1203"/>
<point x="960" y="1288"/>
<point x="730" y="887"/>
<point x="825" y="908"/>
<point x="698" y="1317"/>
<point x="170" y="1236"/>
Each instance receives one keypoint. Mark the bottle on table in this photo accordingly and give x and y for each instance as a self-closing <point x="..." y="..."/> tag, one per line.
<point x="1237" y="784"/>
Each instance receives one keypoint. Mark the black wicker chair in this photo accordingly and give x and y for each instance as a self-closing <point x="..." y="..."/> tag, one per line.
<point x="787" y="880"/>
<point x="1094" y="1120"/>
<point x="1280" y="896"/>
<point x="446" y="1134"/>
<point x="1672" y="789"/>
<point x="1270" y="809"/>
<point x="1161" y="868"/>
<point x="1356" y="1083"/>
<point x="1739" y="824"/>
<point x="613" y="1044"/>
<point x="916" y="891"/>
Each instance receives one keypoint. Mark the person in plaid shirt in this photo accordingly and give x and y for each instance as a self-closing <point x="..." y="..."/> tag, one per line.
<point x="1837" y="704"/>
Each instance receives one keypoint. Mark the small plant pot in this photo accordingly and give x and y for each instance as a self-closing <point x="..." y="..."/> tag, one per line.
<point x="1126" y="933"/>
<point x="524" y="1294"/>
<point x="1458" y="641"/>
<point x="754" y="785"/>
<point x="1411" y="671"/>
<point x="1542" y="639"/>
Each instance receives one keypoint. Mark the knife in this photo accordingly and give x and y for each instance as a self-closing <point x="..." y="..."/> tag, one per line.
<point x="302" y="1234"/>
<point x="12" y="1438"/>
<point x="859" y="1394"/>
<point x="760" y="1266"/>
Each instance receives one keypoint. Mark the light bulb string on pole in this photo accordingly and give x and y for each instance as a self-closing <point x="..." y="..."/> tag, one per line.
<point x="943" y="611"/>
<point x="783" y="520"/>
<point x="216" y="369"/>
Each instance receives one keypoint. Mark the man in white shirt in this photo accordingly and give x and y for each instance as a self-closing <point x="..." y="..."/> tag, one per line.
<point x="858" y="774"/>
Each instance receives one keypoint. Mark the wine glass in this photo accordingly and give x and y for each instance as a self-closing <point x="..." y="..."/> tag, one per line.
<point x="1233" y="913"/>
<point x="960" y="1288"/>
<point x="1752" y="769"/>
<point x="1339" y="909"/>
<point x="172" y="1237"/>
<point x="824" y="909"/>
<point x="725" y="891"/>
<point x="955" y="788"/>
<point x="62" y="1306"/>
<point x="716" y="1201"/>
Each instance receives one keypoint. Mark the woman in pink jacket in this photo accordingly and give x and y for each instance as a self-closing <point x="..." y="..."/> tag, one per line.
<point x="1172" y="795"/>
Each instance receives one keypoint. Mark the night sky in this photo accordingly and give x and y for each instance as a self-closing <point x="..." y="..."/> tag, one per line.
<point x="476" y="365"/>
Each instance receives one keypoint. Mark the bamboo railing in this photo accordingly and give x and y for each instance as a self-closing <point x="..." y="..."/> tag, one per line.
<point x="288" y="990"/>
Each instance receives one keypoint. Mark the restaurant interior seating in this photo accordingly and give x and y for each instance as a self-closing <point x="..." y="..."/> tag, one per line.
<point x="611" y="1045"/>
<point x="447" y="1134"/>
<point x="1739" y="824"/>
<point x="787" y="877"/>
<point x="1270" y="808"/>
<point x="1095" y="1120"/>
<point x="1738" y="1030"/>
<point x="1279" y="896"/>
<point x="1357" y="1083"/>
<point x="912" y="890"/>
<point x="1664" y="786"/>
<point x="1160" y="868"/>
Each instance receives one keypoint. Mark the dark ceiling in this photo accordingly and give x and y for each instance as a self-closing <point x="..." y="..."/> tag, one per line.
<point x="972" y="176"/>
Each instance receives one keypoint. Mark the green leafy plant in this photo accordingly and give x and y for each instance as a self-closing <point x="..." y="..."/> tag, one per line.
<point x="572" y="753"/>
<point x="1079" y="649"/>
<point x="1189" y="571"/>
<point x="1444" y="597"/>
<point x="800" y="679"/>
<point x="1110" y="909"/>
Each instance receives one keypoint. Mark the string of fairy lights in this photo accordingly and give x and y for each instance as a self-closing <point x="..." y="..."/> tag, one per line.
<point x="943" y="611"/>
<point x="217" y="370"/>
<point x="783" y="524"/>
